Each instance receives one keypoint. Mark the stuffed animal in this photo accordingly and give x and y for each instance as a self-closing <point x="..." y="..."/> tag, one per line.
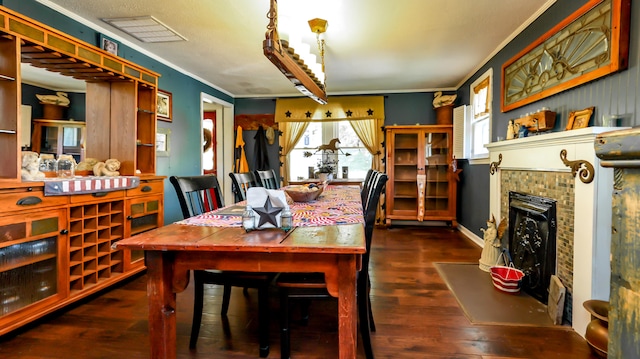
<point x="30" y="168"/>
<point x="108" y="168"/>
<point x="87" y="164"/>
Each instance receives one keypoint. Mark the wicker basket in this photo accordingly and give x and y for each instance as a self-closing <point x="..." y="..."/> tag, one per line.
<point x="303" y="196"/>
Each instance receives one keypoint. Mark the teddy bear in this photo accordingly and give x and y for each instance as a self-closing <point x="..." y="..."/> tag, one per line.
<point x="109" y="168"/>
<point x="30" y="168"/>
<point x="87" y="164"/>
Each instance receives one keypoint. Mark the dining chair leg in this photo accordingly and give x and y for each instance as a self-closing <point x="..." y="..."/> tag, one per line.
<point x="372" y="324"/>
<point x="226" y="297"/>
<point x="198" y="299"/>
<point x="263" y="320"/>
<point x="363" y="318"/>
<point x="285" y="334"/>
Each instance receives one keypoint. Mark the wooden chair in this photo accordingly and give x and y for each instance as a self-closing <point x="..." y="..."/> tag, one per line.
<point x="305" y="286"/>
<point x="268" y="179"/>
<point x="199" y="194"/>
<point x="241" y="182"/>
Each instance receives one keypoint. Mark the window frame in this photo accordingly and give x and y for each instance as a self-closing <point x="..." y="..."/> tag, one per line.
<point x="482" y="120"/>
<point x="329" y="130"/>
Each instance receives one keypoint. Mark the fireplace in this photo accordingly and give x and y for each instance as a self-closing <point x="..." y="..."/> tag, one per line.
<point x="532" y="241"/>
<point x="544" y="166"/>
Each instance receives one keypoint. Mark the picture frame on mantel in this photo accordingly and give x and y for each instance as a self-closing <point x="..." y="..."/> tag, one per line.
<point x="580" y="119"/>
<point x="164" y="106"/>
<point x="591" y="43"/>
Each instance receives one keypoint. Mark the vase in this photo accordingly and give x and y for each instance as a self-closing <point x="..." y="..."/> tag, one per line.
<point x="324" y="176"/>
<point x="597" y="334"/>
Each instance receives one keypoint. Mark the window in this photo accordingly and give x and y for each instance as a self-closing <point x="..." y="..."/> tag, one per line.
<point x="352" y="160"/>
<point x="478" y="127"/>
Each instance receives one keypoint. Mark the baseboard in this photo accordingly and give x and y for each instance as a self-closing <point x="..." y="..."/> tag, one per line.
<point x="472" y="236"/>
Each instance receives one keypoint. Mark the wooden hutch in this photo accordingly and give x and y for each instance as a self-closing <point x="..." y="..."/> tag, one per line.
<point x="422" y="178"/>
<point x="55" y="250"/>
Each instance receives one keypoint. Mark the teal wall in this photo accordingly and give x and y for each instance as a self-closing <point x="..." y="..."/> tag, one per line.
<point x="185" y="152"/>
<point x="617" y="94"/>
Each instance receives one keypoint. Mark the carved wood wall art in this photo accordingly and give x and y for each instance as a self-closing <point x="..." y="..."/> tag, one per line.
<point x="590" y="43"/>
<point x="252" y="122"/>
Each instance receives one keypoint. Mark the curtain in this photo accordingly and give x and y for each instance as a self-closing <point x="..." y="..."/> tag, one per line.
<point x="364" y="113"/>
<point x="291" y="133"/>
<point x="371" y="134"/>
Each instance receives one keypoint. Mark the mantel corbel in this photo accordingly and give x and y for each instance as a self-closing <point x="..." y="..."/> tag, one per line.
<point x="582" y="167"/>
<point x="493" y="168"/>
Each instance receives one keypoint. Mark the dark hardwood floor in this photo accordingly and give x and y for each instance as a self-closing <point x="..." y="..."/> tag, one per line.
<point x="416" y="317"/>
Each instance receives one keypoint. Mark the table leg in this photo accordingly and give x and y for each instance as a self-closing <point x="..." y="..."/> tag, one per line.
<point x="162" y="304"/>
<point x="347" y="318"/>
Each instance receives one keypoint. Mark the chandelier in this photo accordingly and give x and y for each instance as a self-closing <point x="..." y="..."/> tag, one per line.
<point x="300" y="68"/>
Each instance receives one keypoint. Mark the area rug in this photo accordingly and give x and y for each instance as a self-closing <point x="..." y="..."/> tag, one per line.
<point x="482" y="303"/>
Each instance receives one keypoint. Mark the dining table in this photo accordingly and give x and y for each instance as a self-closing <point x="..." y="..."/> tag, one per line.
<point x="327" y="237"/>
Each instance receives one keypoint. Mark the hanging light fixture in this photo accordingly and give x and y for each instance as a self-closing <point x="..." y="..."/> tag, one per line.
<point x="295" y="61"/>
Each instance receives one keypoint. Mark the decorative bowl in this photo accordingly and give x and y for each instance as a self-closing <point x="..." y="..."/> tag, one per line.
<point x="303" y="193"/>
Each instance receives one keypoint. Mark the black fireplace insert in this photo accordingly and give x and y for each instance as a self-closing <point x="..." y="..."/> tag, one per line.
<point x="532" y="241"/>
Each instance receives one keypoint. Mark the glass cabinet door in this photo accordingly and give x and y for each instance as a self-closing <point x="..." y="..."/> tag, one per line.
<point x="436" y="161"/>
<point x="405" y="169"/>
<point x="72" y="142"/>
<point x="49" y="140"/>
<point x="29" y="259"/>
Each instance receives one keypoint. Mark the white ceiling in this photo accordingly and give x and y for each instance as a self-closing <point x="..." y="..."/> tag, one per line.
<point x="372" y="46"/>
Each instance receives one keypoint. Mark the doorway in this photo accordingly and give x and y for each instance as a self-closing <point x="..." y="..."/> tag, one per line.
<point x="221" y="140"/>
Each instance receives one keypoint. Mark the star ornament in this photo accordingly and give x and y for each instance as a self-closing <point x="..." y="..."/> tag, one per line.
<point x="268" y="213"/>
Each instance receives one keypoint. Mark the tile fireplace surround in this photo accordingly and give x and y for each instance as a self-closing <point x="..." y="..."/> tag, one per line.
<point x="533" y="165"/>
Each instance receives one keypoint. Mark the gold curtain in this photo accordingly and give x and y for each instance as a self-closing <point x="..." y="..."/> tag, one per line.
<point x="364" y="113"/>
<point x="291" y="133"/>
<point x="371" y="134"/>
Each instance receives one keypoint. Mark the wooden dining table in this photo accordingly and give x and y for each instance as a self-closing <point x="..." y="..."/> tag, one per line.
<point x="333" y="249"/>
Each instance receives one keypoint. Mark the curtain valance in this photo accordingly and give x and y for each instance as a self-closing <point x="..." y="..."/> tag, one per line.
<point x="338" y="108"/>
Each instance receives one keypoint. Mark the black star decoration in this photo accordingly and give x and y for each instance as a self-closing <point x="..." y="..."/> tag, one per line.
<point x="308" y="114"/>
<point x="288" y="113"/>
<point x="349" y="113"/>
<point x="370" y="112"/>
<point x="268" y="213"/>
<point x="328" y="113"/>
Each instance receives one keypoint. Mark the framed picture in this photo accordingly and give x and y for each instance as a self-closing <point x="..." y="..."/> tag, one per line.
<point x="589" y="44"/>
<point x="109" y="45"/>
<point x="580" y="119"/>
<point x="162" y="142"/>
<point x="164" y="106"/>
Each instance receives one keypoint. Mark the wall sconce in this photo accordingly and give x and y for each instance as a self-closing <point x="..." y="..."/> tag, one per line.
<point x="308" y="77"/>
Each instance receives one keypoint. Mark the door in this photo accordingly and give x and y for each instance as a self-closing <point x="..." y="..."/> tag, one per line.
<point x="209" y="158"/>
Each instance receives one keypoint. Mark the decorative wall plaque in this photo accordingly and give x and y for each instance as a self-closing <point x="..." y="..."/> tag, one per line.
<point x="591" y="43"/>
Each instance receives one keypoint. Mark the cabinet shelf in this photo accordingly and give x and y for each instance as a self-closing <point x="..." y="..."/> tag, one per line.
<point x="8" y="132"/>
<point x="146" y="111"/>
<point x="7" y="78"/>
<point x="25" y="262"/>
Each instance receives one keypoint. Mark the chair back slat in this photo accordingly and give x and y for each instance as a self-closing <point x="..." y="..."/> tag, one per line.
<point x="197" y="194"/>
<point x="268" y="179"/>
<point x="366" y="184"/>
<point x="241" y="182"/>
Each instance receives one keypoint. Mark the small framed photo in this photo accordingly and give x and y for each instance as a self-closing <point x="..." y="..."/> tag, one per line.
<point x="580" y="119"/>
<point x="164" y="106"/>
<point x="109" y="45"/>
<point x="162" y="142"/>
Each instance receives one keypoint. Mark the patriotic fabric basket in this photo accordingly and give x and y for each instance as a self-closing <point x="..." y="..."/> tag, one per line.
<point x="506" y="278"/>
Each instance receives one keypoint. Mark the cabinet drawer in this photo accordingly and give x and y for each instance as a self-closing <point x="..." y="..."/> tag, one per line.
<point x="146" y="188"/>
<point x="98" y="196"/>
<point x="28" y="200"/>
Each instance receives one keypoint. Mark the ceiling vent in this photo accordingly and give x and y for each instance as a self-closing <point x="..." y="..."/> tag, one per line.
<point x="145" y="29"/>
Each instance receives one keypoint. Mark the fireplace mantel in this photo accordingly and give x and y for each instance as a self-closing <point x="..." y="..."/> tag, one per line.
<point x="592" y="204"/>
